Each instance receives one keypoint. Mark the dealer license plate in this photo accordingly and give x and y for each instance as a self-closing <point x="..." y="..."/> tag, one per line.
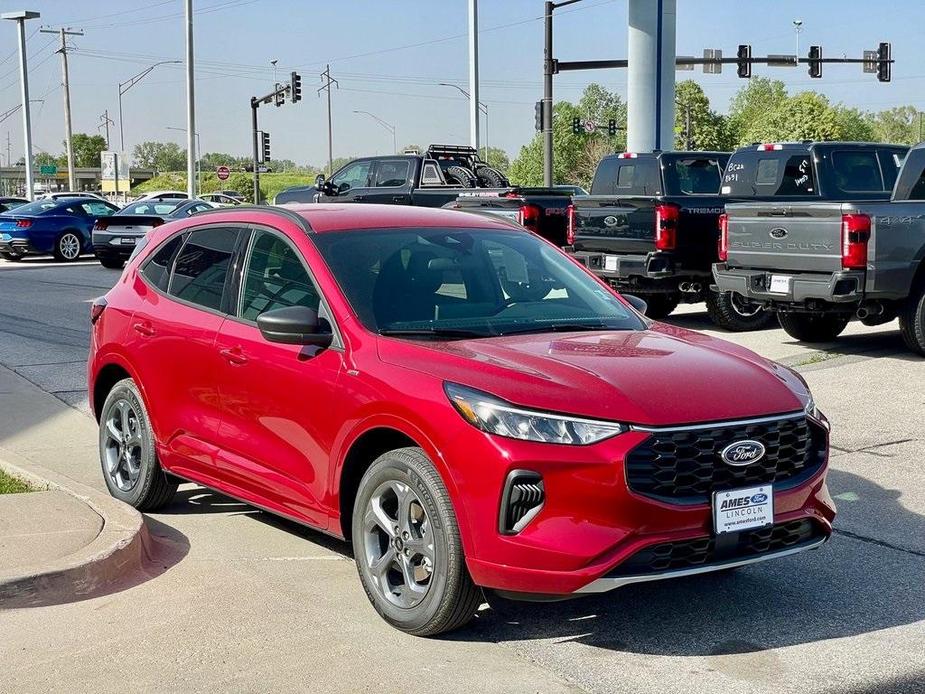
<point x="743" y="509"/>
<point x="610" y="263"/>
<point x="780" y="284"/>
<point x="128" y="241"/>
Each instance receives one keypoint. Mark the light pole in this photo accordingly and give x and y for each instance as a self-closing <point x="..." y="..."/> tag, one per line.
<point x="798" y="29"/>
<point x="387" y="126"/>
<point x="20" y="18"/>
<point x="482" y="107"/>
<point x="190" y="105"/>
<point x="128" y="84"/>
<point x="198" y="158"/>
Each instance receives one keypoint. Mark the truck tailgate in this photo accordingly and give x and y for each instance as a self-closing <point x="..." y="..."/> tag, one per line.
<point x="799" y="236"/>
<point x="605" y="223"/>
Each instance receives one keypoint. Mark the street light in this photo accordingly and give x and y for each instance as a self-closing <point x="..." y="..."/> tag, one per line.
<point x="128" y="84"/>
<point x="20" y="18"/>
<point x="198" y="159"/>
<point x="482" y="107"/>
<point x="387" y="126"/>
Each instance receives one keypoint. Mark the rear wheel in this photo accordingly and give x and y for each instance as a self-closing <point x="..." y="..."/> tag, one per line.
<point x="111" y="262"/>
<point x="67" y="247"/>
<point x="659" y="306"/>
<point x="733" y="312"/>
<point x="912" y="320"/>
<point x="813" y="327"/>
<point x="407" y="547"/>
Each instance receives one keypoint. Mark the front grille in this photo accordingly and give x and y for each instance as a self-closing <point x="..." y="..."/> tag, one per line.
<point x="684" y="467"/>
<point x="687" y="554"/>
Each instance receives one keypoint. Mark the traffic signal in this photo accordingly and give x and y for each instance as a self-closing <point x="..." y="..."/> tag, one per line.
<point x="611" y="127"/>
<point x="815" y="61"/>
<point x="279" y="96"/>
<point x="884" y="62"/>
<point x="538" y="115"/>
<point x="265" y="145"/>
<point x="576" y="126"/>
<point x="744" y="60"/>
<point x="296" y="83"/>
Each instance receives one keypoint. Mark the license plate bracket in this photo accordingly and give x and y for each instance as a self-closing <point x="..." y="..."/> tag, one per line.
<point x="780" y="284"/>
<point x="745" y="508"/>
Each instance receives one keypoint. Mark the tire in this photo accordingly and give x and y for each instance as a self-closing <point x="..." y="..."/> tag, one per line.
<point x="728" y="312"/>
<point x="111" y="262"/>
<point x="68" y="246"/>
<point x="912" y="321"/>
<point x="12" y="257"/>
<point x="143" y="484"/>
<point x="461" y="176"/>
<point x="659" y="306"/>
<point x="449" y="598"/>
<point x="813" y="327"/>
<point x="490" y="178"/>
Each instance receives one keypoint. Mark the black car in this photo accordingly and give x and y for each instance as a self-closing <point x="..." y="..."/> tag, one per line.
<point x="9" y="203"/>
<point x="114" y="237"/>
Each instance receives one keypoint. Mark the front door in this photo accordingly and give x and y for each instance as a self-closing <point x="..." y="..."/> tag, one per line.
<point x="279" y="402"/>
<point x="351" y="182"/>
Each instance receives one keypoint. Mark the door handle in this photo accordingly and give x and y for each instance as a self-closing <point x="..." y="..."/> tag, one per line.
<point x="234" y="356"/>
<point x="398" y="198"/>
<point x="359" y="197"/>
<point x="144" y="329"/>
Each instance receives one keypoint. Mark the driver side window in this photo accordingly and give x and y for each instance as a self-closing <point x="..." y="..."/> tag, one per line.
<point x="355" y="175"/>
<point x="275" y="278"/>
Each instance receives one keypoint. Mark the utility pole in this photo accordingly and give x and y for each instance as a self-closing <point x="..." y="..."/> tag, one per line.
<point x="548" y="71"/>
<point x="474" y="74"/>
<point x="190" y="106"/>
<point x="64" y="33"/>
<point x="328" y="81"/>
<point x="106" y="121"/>
<point x="20" y="18"/>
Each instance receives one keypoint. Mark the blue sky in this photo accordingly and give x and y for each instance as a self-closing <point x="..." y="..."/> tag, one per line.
<point x="390" y="56"/>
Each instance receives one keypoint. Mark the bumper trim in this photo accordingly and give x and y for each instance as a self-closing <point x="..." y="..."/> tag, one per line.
<point x="721" y="425"/>
<point x="602" y="585"/>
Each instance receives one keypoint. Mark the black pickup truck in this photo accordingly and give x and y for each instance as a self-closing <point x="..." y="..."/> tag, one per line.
<point x="431" y="179"/>
<point x="546" y="211"/>
<point x="650" y="226"/>
<point x="820" y="264"/>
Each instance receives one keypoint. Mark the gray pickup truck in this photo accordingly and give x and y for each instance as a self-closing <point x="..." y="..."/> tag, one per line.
<point x="820" y="264"/>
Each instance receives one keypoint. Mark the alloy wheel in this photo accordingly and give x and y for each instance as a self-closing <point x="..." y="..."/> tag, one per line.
<point x="123" y="447"/>
<point x="398" y="544"/>
<point x="69" y="246"/>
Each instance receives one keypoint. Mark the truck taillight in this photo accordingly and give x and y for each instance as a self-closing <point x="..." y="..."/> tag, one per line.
<point x="855" y="233"/>
<point x="666" y="226"/>
<point x="529" y="216"/>
<point x="723" y="250"/>
<point x="570" y="222"/>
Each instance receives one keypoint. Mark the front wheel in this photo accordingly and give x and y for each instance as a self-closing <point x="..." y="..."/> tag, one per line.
<point x="12" y="257"/>
<point x="912" y="321"/>
<point x="67" y="247"/>
<point x="407" y="546"/>
<point x="733" y="312"/>
<point x="813" y="327"/>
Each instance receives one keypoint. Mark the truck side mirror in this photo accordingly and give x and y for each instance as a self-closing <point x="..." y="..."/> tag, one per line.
<point x="319" y="181"/>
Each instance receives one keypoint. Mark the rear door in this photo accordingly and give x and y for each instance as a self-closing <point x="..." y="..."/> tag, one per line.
<point x="391" y="182"/>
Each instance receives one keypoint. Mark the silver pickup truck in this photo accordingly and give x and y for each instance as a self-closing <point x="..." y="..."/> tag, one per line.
<point x="819" y="264"/>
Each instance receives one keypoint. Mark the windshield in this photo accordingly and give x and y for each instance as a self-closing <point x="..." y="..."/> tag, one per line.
<point x="38" y="206"/>
<point x="155" y="207"/>
<point x="455" y="283"/>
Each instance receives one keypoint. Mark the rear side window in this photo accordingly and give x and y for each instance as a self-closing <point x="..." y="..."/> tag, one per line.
<point x="918" y="190"/>
<point x="157" y="269"/>
<point x="201" y="268"/>
<point x="769" y="174"/>
<point x="857" y="172"/>
<point x="392" y="174"/>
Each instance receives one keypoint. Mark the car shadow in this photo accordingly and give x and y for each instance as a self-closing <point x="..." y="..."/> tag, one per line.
<point x="852" y="585"/>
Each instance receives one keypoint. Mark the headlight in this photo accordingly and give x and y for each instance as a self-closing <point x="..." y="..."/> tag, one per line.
<point x="496" y="416"/>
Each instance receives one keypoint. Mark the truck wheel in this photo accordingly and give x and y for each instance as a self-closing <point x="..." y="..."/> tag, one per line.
<point x="111" y="262"/>
<point x="407" y="546"/>
<point x="731" y="312"/>
<point x="659" y="306"/>
<point x="813" y="327"/>
<point x="490" y="178"/>
<point x="461" y="176"/>
<point x="912" y="321"/>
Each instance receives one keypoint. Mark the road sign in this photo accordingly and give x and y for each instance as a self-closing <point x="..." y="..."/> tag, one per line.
<point x="712" y="68"/>
<point x="223" y="172"/>
<point x="48" y="169"/>
<point x="590" y="126"/>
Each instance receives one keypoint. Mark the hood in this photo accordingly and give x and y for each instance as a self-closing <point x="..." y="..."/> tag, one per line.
<point x="660" y="376"/>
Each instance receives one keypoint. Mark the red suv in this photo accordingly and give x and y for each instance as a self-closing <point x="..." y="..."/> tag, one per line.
<point x="457" y="397"/>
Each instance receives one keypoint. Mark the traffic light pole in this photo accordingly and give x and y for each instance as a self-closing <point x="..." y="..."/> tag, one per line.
<point x="255" y="103"/>
<point x="277" y="96"/>
<point x="548" y="72"/>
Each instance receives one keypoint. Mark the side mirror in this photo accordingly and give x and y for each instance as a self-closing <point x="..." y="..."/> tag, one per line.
<point x="636" y="302"/>
<point x="295" y="325"/>
<point x="319" y="181"/>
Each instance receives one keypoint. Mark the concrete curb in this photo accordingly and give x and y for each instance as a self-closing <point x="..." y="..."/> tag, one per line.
<point x="120" y="549"/>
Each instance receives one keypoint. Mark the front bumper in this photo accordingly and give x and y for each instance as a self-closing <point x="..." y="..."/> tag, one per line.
<point x="846" y="286"/>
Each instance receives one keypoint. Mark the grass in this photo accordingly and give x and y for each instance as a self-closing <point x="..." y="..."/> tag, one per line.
<point x="12" y="485"/>
<point x="270" y="183"/>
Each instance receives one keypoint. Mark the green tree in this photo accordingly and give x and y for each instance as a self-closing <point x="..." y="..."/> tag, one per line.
<point x="497" y="158"/>
<point x="804" y="116"/>
<point x="161" y="156"/>
<point x="87" y="149"/>
<point x="47" y="159"/>
<point x="854" y="124"/>
<point x="751" y="106"/>
<point x="900" y="125"/>
<point x="708" y="130"/>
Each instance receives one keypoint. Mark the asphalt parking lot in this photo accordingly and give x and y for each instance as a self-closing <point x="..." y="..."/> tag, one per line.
<point x="237" y="599"/>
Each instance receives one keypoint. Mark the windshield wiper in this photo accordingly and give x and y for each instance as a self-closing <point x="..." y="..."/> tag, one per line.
<point x="561" y="328"/>
<point x="459" y="333"/>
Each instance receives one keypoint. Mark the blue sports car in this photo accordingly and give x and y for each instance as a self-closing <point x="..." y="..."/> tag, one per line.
<point x="60" y="227"/>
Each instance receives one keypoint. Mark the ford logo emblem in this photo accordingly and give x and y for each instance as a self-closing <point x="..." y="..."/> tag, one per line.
<point x="759" y="498"/>
<point x="743" y="452"/>
<point x="610" y="221"/>
<point x="778" y="233"/>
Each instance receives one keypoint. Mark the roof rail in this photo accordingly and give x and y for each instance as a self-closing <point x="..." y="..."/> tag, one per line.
<point x="272" y="209"/>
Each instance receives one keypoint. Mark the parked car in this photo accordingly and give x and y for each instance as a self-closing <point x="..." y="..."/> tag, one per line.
<point x="429" y="180"/>
<point x="9" y="203"/>
<point x="60" y="227"/>
<point x="221" y="199"/>
<point x="114" y="238"/>
<point x="232" y="194"/>
<point x="62" y="194"/>
<point x="163" y="195"/>
<point x="459" y="399"/>
<point x="819" y="264"/>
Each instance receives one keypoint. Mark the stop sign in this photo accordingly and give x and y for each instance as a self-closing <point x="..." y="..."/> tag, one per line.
<point x="223" y="172"/>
